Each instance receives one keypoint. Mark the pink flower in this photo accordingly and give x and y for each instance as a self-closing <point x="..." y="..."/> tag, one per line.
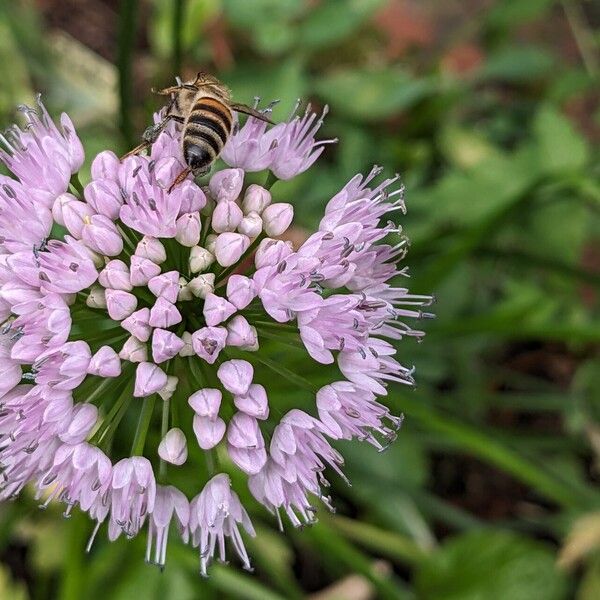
<point x="217" y="513"/>
<point x="169" y="502"/>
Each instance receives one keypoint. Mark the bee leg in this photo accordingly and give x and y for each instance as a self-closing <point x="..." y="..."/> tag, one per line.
<point x="143" y="146"/>
<point x="180" y="178"/>
<point x="248" y="110"/>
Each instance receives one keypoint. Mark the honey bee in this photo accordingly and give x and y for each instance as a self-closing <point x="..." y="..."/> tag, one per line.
<point x="204" y="108"/>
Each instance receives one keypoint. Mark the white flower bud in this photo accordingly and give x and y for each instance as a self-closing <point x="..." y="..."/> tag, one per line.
<point x="152" y="249"/>
<point x="202" y="285"/>
<point x="166" y="392"/>
<point x="134" y="351"/>
<point x="97" y="297"/>
<point x="211" y="240"/>
<point x="188" y="349"/>
<point x="185" y="293"/>
<point x="200" y="259"/>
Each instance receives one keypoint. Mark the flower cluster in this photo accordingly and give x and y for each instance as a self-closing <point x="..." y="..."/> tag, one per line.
<point x="124" y="297"/>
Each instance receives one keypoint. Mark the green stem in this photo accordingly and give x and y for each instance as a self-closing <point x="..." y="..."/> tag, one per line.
<point x="73" y="580"/>
<point x="126" y="41"/>
<point x="99" y="390"/>
<point x="282" y="339"/>
<point x="285" y="372"/>
<point x="76" y="183"/>
<point x="164" y="427"/>
<point x="270" y="181"/>
<point x="139" y="440"/>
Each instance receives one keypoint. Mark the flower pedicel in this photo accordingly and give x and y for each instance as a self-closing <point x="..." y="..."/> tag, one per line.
<point x="177" y="289"/>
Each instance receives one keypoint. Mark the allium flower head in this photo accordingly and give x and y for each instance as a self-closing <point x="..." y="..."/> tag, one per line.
<point x="128" y="298"/>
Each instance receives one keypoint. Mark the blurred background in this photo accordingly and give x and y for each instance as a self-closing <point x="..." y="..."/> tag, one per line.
<point x="490" y="111"/>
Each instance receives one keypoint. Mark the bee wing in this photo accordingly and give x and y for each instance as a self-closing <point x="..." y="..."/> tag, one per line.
<point x="248" y="110"/>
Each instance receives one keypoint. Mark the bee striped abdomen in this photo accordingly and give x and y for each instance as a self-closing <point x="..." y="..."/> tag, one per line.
<point x="206" y="130"/>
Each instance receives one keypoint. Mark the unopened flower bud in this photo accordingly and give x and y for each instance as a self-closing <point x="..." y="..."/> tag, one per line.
<point x="188" y="229"/>
<point x="209" y="432"/>
<point x="152" y="249"/>
<point x="134" y="350"/>
<point x="74" y="215"/>
<point x="202" y="285"/>
<point x="149" y="379"/>
<point x="193" y="198"/>
<point x="165" y="286"/>
<point x="105" y="165"/>
<point x="173" y="447"/>
<point x="83" y="419"/>
<point x="240" y="291"/>
<point x="251" y="225"/>
<point x="164" y="314"/>
<point x="206" y="402"/>
<point x="105" y="363"/>
<point x="96" y="298"/>
<point x="254" y="402"/>
<point x="271" y="252"/>
<point x="277" y="218"/>
<point x="169" y="388"/>
<point x="229" y="248"/>
<point x="137" y="324"/>
<point x="102" y="236"/>
<point x="165" y="345"/>
<point x="240" y="333"/>
<point x="256" y="199"/>
<point x="115" y="275"/>
<point x="120" y="304"/>
<point x="255" y="346"/>
<point x="226" y="216"/>
<point x="226" y="184"/>
<point x="104" y="196"/>
<point x="236" y="376"/>
<point x="200" y="259"/>
<point x="217" y="309"/>
<point x="142" y="270"/>
<point x="58" y="206"/>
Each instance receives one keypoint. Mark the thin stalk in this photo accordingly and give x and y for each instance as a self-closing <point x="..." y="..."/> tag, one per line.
<point x="164" y="427"/>
<point x="177" y="34"/>
<point x="282" y="339"/>
<point x="126" y="41"/>
<point x="270" y="181"/>
<point x="286" y="373"/>
<point x="139" y="440"/>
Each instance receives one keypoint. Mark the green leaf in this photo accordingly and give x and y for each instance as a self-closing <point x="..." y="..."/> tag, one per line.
<point x="518" y="64"/>
<point x="372" y="95"/>
<point x="333" y="21"/>
<point x="514" y="13"/>
<point x="491" y="565"/>
<point x="560" y="147"/>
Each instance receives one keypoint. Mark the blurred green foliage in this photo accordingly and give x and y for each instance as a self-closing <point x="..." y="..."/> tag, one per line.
<point x="499" y="453"/>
